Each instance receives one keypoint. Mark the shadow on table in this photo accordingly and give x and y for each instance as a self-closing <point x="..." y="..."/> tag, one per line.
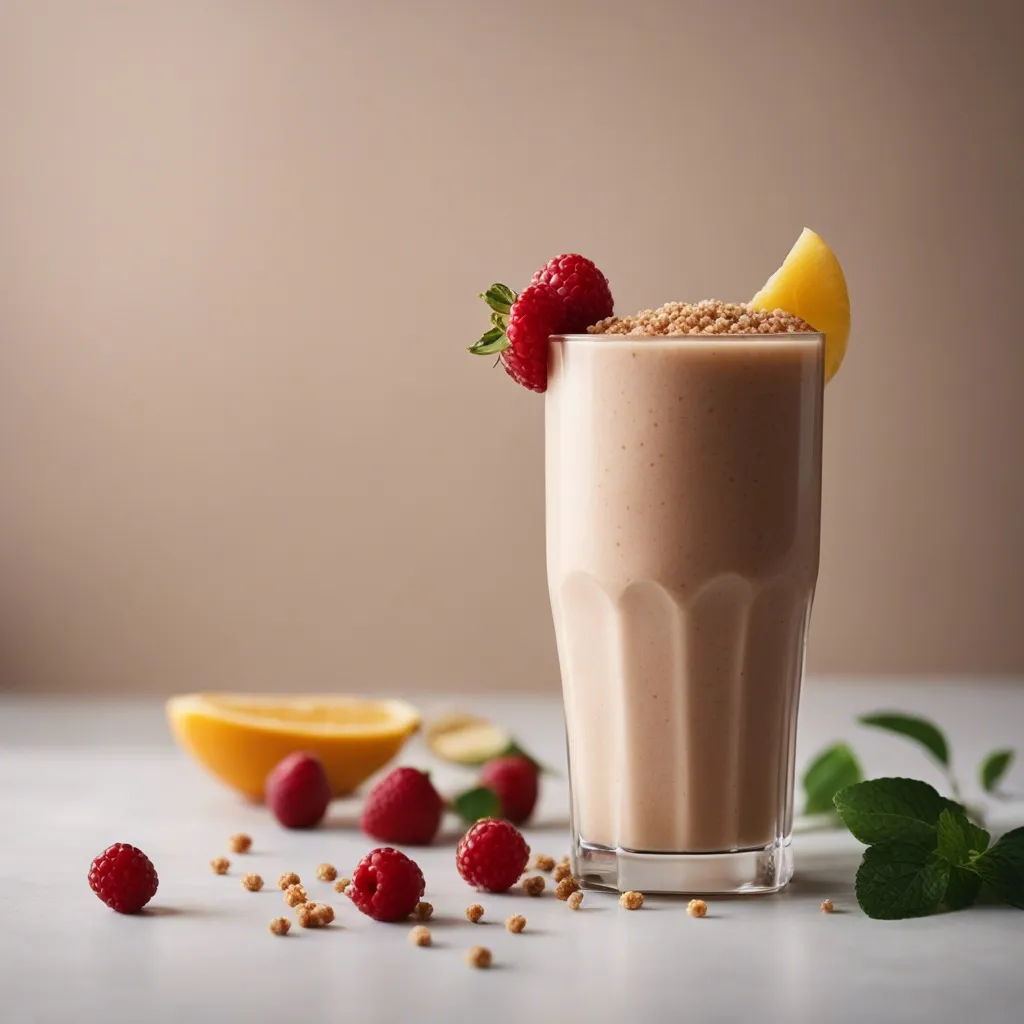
<point x="823" y="873"/>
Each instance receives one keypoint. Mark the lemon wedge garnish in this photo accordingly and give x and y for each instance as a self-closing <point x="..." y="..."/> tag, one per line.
<point x="810" y="284"/>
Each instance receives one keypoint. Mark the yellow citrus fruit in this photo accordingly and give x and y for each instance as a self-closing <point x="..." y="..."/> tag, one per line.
<point x="810" y="284"/>
<point x="241" y="737"/>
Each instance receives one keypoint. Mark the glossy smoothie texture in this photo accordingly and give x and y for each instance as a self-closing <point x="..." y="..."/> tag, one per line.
<point x="683" y="520"/>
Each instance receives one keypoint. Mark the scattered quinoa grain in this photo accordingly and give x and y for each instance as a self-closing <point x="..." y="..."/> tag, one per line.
<point x="566" y="887"/>
<point x="420" y="936"/>
<point x="533" y="886"/>
<point x="342" y="884"/>
<point x="220" y="865"/>
<point x="478" y="956"/>
<point x="696" y="908"/>
<point x="631" y="900"/>
<point x="239" y="842"/>
<point x="561" y="870"/>
<point x="314" y="915"/>
<point x="516" y="923"/>
<point x="543" y="862"/>
<point x="252" y="882"/>
<point x="423" y="911"/>
<point x="280" y="926"/>
<point x="827" y="907"/>
<point x="326" y="872"/>
<point x="288" y="878"/>
<point x="474" y="912"/>
<point x="575" y="900"/>
<point x="294" y="895"/>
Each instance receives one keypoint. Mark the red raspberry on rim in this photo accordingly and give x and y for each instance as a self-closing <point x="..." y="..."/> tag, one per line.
<point x="567" y="295"/>
<point x="403" y="808"/>
<point x="534" y="317"/>
<point x="582" y="288"/>
<point x="124" y="878"/>
<point x="386" y="885"/>
<point x="492" y="855"/>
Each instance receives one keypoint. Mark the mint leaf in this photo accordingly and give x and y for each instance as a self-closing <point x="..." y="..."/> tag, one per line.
<point x="477" y="803"/>
<point x="891" y="811"/>
<point x="962" y="888"/>
<point x="953" y="839"/>
<point x="897" y="880"/>
<point x="835" y="768"/>
<point x="493" y="341"/>
<point x="499" y="297"/>
<point x="994" y="767"/>
<point x="918" y="729"/>
<point x="977" y="838"/>
<point x="1002" y="867"/>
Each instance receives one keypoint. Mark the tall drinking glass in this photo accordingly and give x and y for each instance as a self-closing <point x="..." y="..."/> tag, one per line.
<point x="683" y="526"/>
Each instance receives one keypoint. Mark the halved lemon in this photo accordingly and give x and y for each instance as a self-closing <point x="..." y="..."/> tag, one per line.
<point x="241" y="737"/>
<point x="811" y="284"/>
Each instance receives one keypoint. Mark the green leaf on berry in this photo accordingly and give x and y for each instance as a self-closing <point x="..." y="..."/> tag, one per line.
<point x="500" y="320"/>
<point x="493" y="341"/>
<point x="477" y="803"/>
<point x="499" y="297"/>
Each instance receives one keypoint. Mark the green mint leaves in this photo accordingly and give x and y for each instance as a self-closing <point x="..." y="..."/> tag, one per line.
<point x="918" y="729"/>
<point x="923" y="852"/>
<point x="832" y="770"/>
<point x="837" y="766"/>
<point x="1002" y="868"/>
<point x="499" y="297"/>
<point x="900" y="880"/>
<point x="891" y="810"/>
<point x="993" y="768"/>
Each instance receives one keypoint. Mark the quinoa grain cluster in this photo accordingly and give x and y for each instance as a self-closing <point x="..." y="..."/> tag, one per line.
<point x="707" y="317"/>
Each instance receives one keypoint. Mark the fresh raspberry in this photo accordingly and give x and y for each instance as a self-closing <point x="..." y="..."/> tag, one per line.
<point x="582" y="288"/>
<point x="386" y="885"/>
<point x="492" y="855"/>
<point x="537" y="314"/>
<point x="297" y="791"/>
<point x="124" y="878"/>
<point x="403" y="808"/>
<point x="514" y="779"/>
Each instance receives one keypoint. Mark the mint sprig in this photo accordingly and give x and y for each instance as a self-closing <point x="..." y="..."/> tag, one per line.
<point x="923" y="852"/>
<point x="833" y="769"/>
<point x="837" y="766"/>
<point x="992" y="770"/>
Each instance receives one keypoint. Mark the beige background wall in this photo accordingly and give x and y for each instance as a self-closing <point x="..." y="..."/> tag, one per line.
<point x="241" y="443"/>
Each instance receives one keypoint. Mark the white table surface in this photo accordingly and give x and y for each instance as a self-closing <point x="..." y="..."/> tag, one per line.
<point x="77" y="776"/>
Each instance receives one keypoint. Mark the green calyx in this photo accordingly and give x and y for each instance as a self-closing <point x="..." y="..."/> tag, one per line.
<point x="499" y="297"/>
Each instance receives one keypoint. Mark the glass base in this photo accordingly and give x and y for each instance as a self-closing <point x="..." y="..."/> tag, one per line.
<point x="740" y="872"/>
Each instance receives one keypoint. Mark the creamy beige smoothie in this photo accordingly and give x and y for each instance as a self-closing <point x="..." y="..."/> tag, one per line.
<point x="683" y="521"/>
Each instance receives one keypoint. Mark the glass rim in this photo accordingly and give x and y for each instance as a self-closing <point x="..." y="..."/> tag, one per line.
<point x="694" y="339"/>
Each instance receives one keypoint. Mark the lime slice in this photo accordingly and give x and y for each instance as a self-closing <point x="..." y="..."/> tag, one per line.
<point x="466" y="739"/>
